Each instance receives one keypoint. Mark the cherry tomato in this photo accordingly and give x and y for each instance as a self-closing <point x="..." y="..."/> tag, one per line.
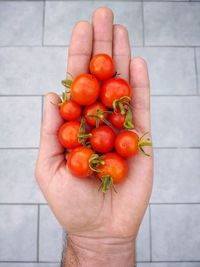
<point x="113" y="89"/>
<point x="102" y="139"/>
<point x="70" y="110"/>
<point x="117" y="119"/>
<point x="85" y="89"/>
<point x="126" y="144"/>
<point x="102" y="67"/>
<point x="97" y="109"/>
<point x="68" y="134"/>
<point x="78" y="162"/>
<point x="113" y="171"/>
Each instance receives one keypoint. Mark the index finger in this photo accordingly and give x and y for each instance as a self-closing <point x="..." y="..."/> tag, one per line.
<point x="80" y="48"/>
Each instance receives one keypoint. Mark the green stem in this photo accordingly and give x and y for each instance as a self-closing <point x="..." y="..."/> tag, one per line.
<point x="121" y="106"/>
<point x="82" y="135"/>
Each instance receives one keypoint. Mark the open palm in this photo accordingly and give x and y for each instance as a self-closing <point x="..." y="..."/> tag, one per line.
<point x="78" y="205"/>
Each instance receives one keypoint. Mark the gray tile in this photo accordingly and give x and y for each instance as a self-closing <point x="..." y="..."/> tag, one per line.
<point x="20" y="121"/>
<point x="41" y="70"/>
<point x="198" y="66"/>
<point x="17" y="181"/>
<point x="61" y="16"/>
<point x="175" y="121"/>
<point x="177" y="177"/>
<point x="29" y="264"/>
<point x="172" y="23"/>
<point x="51" y="236"/>
<point x="175" y="232"/>
<point x="171" y="70"/>
<point x="18" y="233"/>
<point x="143" y="240"/>
<point x="21" y="22"/>
<point x="169" y="264"/>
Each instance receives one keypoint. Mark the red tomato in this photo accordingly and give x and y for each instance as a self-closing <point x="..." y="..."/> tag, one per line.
<point x="102" y="67"/>
<point x="97" y="109"/>
<point x="102" y="139"/>
<point x="68" y="134"/>
<point x="78" y="162"/>
<point x="113" y="89"/>
<point x="113" y="171"/>
<point x="85" y="89"/>
<point x="70" y="110"/>
<point x="126" y="144"/>
<point x="117" y="119"/>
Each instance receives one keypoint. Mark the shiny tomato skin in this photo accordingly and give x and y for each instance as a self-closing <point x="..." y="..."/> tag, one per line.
<point x="102" y="67"/>
<point x="117" y="119"/>
<point x="70" y="110"/>
<point x="126" y="144"/>
<point x="92" y="110"/>
<point x="115" y="166"/>
<point x="113" y="89"/>
<point x="68" y="134"/>
<point x="102" y="139"/>
<point x="78" y="162"/>
<point x="85" y="89"/>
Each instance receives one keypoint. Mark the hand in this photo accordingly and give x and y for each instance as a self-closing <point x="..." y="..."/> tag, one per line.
<point x="105" y="224"/>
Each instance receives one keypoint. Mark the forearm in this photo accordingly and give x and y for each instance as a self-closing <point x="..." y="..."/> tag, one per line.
<point x="104" y="252"/>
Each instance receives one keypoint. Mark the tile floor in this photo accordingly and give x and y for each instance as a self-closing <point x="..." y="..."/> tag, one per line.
<point x="33" y="40"/>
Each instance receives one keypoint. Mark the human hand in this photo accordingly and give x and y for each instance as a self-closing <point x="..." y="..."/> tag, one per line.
<point x="102" y="228"/>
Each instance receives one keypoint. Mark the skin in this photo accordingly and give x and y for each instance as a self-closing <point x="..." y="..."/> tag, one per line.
<point x="101" y="228"/>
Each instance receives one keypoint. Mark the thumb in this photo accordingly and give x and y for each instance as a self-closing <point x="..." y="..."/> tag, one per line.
<point x="49" y="144"/>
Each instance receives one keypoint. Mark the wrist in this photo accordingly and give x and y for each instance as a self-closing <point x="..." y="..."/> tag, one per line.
<point x="105" y="251"/>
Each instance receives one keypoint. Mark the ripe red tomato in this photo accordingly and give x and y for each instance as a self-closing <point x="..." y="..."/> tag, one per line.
<point x="126" y="144"/>
<point x="70" y="110"/>
<point x="85" y="89"/>
<point x="113" y="89"/>
<point x="117" y="119"/>
<point x="97" y="109"/>
<point x="68" y="134"/>
<point x="102" y="67"/>
<point x="102" y="139"/>
<point x="78" y="162"/>
<point x="113" y="171"/>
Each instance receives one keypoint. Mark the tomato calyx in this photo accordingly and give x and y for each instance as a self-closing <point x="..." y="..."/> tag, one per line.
<point x="144" y="142"/>
<point x="125" y="109"/>
<point x="107" y="183"/>
<point x="115" y="74"/>
<point x="100" y="117"/>
<point x="95" y="161"/>
<point x="82" y="135"/>
<point x="68" y="82"/>
<point x="121" y="103"/>
<point x="128" y="123"/>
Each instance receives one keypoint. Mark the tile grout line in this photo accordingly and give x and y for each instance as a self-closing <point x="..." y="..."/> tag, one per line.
<point x="38" y="232"/>
<point x="196" y="71"/>
<point x="150" y="233"/>
<point x="143" y="31"/>
<point x="43" y="22"/>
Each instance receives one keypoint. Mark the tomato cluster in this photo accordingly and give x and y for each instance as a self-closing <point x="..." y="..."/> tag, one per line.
<point x="97" y="132"/>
